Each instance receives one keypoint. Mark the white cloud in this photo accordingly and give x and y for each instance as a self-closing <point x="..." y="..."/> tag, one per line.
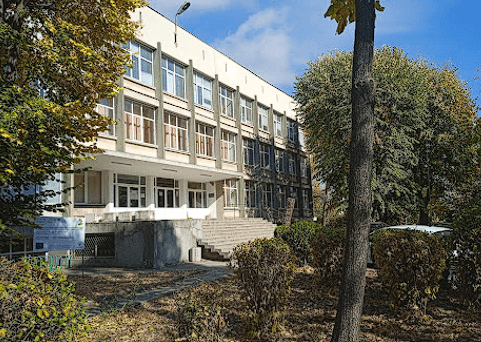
<point x="263" y="45"/>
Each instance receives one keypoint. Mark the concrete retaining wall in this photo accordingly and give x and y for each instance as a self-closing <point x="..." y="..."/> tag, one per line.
<point x="149" y="243"/>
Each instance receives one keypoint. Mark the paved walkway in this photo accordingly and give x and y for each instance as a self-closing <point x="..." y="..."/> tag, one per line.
<point x="207" y="271"/>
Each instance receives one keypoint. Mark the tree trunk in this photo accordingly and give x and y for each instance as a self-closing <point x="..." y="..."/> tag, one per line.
<point x="348" y="318"/>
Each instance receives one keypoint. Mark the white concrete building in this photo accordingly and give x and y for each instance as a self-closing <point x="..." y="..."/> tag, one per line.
<point x="197" y="136"/>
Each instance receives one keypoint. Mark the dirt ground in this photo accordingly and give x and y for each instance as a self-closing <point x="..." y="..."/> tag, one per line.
<point x="309" y="315"/>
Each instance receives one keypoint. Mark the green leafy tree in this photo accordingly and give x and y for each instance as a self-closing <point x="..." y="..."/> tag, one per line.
<point x="57" y="59"/>
<point x="424" y="133"/>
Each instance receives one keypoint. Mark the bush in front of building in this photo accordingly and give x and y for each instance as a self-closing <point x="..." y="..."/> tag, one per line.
<point x="299" y="236"/>
<point x="198" y="313"/>
<point x="264" y="269"/>
<point x="38" y="305"/>
<point x="328" y="255"/>
<point x="466" y="239"/>
<point x="410" y="264"/>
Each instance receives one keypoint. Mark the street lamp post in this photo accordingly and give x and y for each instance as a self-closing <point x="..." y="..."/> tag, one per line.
<point x="181" y="10"/>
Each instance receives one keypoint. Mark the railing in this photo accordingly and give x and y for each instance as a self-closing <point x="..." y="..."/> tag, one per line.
<point x="270" y="214"/>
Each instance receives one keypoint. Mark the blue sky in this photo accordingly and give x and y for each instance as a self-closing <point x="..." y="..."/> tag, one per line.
<point x="276" y="38"/>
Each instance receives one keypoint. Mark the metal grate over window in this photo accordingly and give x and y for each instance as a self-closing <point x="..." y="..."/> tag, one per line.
<point x="97" y="246"/>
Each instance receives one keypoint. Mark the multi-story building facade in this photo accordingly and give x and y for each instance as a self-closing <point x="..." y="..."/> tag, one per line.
<point x="197" y="136"/>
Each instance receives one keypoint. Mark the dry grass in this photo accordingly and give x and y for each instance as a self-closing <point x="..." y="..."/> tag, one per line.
<point x="309" y="317"/>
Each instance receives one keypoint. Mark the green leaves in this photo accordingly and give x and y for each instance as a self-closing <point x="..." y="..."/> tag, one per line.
<point x="425" y="142"/>
<point x="344" y="12"/>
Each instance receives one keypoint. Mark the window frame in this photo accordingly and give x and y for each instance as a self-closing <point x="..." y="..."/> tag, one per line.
<point x="102" y="108"/>
<point x="246" y="111"/>
<point x="277" y="124"/>
<point x="263" y="113"/>
<point x="248" y="151"/>
<point x="204" y="85"/>
<point x="228" y="146"/>
<point x="265" y="155"/>
<point x="175" y="135"/>
<point x="174" y="89"/>
<point x="267" y="200"/>
<point x="84" y="186"/>
<point x="174" y="190"/>
<point x="249" y="194"/>
<point x="231" y="187"/>
<point x="139" y="61"/>
<point x="142" y="190"/>
<point x="194" y="192"/>
<point x="131" y="133"/>
<point x="226" y="102"/>
<point x="202" y="138"/>
<point x="292" y="131"/>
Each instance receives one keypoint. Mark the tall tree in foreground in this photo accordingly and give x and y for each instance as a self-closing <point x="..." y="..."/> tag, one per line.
<point x="57" y="58"/>
<point x="351" y="298"/>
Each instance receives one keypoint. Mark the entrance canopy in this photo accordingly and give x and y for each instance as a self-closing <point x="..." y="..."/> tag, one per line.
<point x="128" y="163"/>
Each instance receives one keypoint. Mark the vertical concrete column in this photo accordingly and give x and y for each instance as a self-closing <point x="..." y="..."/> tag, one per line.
<point x="190" y="98"/>
<point x="270" y="113"/>
<point x="159" y="95"/>
<point x="240" y="158"/>
<point x="255" y="116"/>
<point x="67" y="196"/>
<point x="217" y="133"/>
<point x="119" y="117"/>
<point x="219" y="196"/>
<point x="284" y="126"/>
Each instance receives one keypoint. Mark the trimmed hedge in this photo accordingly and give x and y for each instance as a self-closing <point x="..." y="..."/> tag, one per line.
<point x="265" y="269"/>
<point x="38" y="305"/>
<point x="299" y="236"/>
<point x="410" y="264"/>
<point x="328" y="255"/>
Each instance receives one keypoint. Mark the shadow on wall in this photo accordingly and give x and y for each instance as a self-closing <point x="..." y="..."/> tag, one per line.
<point x="150" y="244"/>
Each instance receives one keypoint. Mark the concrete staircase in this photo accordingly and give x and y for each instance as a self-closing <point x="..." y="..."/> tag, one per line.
<point x="219" y="237"/>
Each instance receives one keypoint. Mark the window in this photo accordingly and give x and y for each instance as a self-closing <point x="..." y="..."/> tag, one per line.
<point x="227" y="146"/>
<point x="139" y="122"/>
<point x="173" y="77"/>
<point x="202" y="90"/>
<point x="175" y="129"/>
<point x="305" y="198"/>
<point x="281" y="196"/>
<point x="167" y="193"/>
<point x="204" y="140"/>
<point x="292" y="131"/>
<point x="226" y="100"/>
<point x="141" y="57"/>
<point x="292" y="164"/>
<point x="230" y="193"/>
<point x="129" y="191"/>
<point x="106" y="107"/>
<point x="248" y="150"/>
<point x="197" y="195"/>
<point x="263" y="118"/>
<point x="267" y="195"/>
<point x="250" y="194"/>
<point x="278" y="124"/>
<point x="264" y="150"/>
<point x="246" y="110"/>
<point x="280" y="161"/>
<point x="88" y="187"/>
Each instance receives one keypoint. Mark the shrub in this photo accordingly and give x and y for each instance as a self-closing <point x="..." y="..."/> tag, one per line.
<point x="299" y="236"/>
<point x="198" y="314"/>
<point x="410" y="264"/>
<point x="328" y="255"/>
<point x="37" y="304"/>
<point x="265" y="269"/>
<point x="467" y="256"/>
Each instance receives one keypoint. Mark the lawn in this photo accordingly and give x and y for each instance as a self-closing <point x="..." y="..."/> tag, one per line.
<point x="309" y="315"/>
